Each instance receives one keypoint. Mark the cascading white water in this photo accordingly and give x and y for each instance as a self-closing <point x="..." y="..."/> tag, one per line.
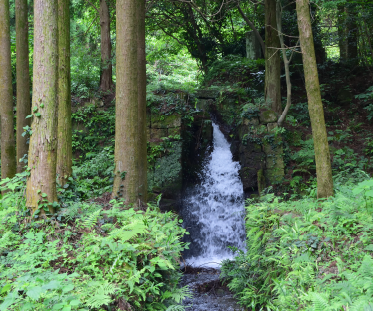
<point x="214" y="210"/>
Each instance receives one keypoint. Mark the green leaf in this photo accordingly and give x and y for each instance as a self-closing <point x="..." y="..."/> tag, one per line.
<point x="5" y="289"/>
<point x="68" y="288"/>
<point x="369" y="193"/>
<point x="369" y="247"/>
<point x="58" y="306"/>
<point x="34" y="293"/>
<point x="75" y="302"/>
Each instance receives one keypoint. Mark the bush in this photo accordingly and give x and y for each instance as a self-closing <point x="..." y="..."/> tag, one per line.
<point x="308" y="254"/>
<point x="86" y="257"/>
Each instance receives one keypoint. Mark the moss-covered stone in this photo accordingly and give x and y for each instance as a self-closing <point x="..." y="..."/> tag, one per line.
<point x="261" y="181"/>
<point x="156" y="133"/>
<point x="166" y="173"/>
<point x="208" y="94"/>
<point x="250" y="122"/>
<point x="268" y="116"/>
<point x="164" y="122"/>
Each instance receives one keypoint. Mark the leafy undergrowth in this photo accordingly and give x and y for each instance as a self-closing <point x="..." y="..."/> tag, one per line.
<point x="308" y="254"/>
<point x="88" y="257"/>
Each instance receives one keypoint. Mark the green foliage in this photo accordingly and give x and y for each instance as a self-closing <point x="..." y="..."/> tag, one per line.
<point x="88" y="258"/>
<point x="240" y="72"/>
<point x="307" y="254"/>
<point x="93" y="128"/>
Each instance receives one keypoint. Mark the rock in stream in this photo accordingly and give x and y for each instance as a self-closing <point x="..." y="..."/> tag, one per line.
<point x="209" y="294"/>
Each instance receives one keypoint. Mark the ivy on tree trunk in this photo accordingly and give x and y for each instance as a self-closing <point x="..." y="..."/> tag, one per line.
<point x="41" y="185"/>
<point x="23" y="80"/>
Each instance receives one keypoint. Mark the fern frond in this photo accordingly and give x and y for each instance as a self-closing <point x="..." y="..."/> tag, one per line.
<point x="91" y="220"/>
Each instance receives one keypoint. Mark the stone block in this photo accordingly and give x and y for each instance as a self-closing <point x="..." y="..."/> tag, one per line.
<point x="271" y="126"/>
<point x="249" y="122"/>
<point x="203" y="104"/>
<point x="268" y="116"/>
<point x="174" y="131"/>
<point x="156" y="133"/>
<point x="253" y="46"/>
<point x="208" y="93"/>
<point x="164" y="122"/>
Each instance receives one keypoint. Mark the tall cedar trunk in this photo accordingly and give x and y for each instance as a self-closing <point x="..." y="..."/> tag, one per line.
<point x="43" y="142"/>
<point x="342" y="32"/>
<point x="64" y="153"/>
<point x="8" y="148"/>
<point x="127" y="146"/>
<point x="352" y="46"/>
<point x="106" y="81"/>
<point x="143" y="161"/>
<point x="272" y="58"/>
<point x="23" y="80"/>
<point x="315" y="107"/>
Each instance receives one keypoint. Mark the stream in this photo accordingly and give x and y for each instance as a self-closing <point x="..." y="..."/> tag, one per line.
<point x="213" y="213"/>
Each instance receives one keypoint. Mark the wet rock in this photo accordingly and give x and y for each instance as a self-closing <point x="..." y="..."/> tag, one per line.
<point x="209" y="294"/>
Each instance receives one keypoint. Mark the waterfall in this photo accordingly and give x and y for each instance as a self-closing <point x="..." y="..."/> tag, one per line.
<point x="213" y="211"/>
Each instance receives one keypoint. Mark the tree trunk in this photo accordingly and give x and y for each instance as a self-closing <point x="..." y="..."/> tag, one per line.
<point x="315" y="107"/>
<point x="352" y="46"/>
<point x="342" y="32"/>
<point x="272" y="58"/>
<point x="8" y="148"/>
<point x="23" y="80"/>
<point x="106" y="81"/>
<point x="41" y="185"/>
<point x="64" y="153"/>
<point x="143" y="160"/>
<point x="128" y="152"/>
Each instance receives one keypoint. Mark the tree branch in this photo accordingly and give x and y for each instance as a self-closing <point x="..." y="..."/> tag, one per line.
<point x="252" y="26"/>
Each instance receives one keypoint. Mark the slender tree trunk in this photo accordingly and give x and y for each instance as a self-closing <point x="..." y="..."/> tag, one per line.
<point x="286" y="65"/>
<point x="272" y="58"/>
<point x="143" y="161"/>
<point x="127" y="138"/>
<point x="342" y="32"/>
<point x="64" y="153"/>
<point x="8" y="148"/>
<point x="352" y="46"/>
<point x="106" y="81"/>
<point x="23" y="80"/>
<point x="43" y="142"/>
<point x="253" y="28"/>
<point x="315" y="107"/>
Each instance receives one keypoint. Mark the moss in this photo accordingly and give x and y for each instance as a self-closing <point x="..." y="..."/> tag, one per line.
<point x="268" y="116"/>
<point x="166" y="174"/>
<point x="164" y="122"/>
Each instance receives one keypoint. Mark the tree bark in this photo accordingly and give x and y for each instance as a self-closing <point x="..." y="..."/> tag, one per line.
<point x="272" y="58"/>
<point x="64" y="153"/>
<point x="23" y="80"/>
<point x="128" y="152"/>
<point x="106" y="80"/>
<point x="342" y="32"/>
<point x="352" y="46"/>
<point x="43" y="142"/>
<point x="8" y="148"/>
<point x="315" y="107"/>
<point x="286" y="65"/>
<point x="143" y="160"/>
<point x="253" y="28"/>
